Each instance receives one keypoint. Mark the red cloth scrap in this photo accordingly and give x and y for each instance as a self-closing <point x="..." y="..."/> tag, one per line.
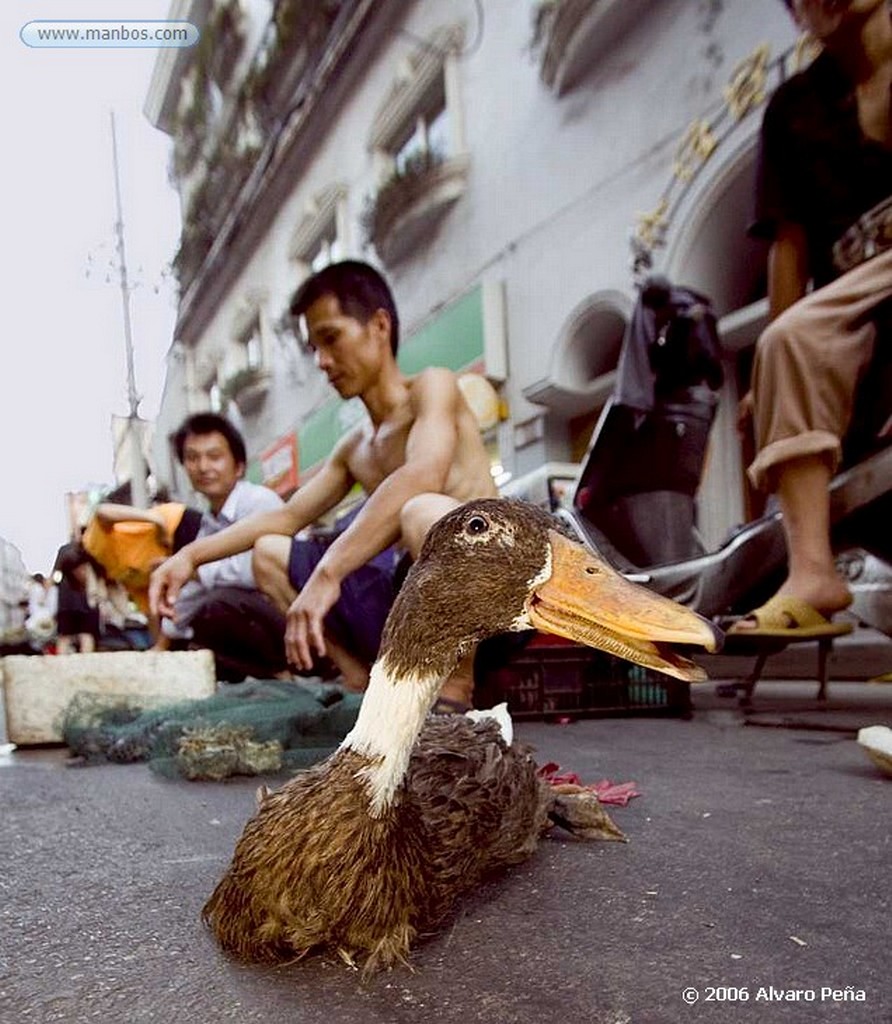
<point x="617" y="793"/>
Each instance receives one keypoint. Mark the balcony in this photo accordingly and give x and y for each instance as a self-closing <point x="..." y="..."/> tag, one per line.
<point x="571" y="35"/>
<point x="407" y="207"/>
<point x="296" y="44"/>
<point x="226" y="40"/>
<point x="248" y="388"/>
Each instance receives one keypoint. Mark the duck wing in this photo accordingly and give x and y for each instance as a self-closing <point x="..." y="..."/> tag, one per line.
<point x="478" y="803"/>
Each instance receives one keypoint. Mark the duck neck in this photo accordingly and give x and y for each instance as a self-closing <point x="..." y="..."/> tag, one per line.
<point x="391" y="716"/>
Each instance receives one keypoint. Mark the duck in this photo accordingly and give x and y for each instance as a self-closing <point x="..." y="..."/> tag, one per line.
<point x="360" y="853"/>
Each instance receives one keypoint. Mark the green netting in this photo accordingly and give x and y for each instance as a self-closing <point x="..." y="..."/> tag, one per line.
<point x="250" y="728"/>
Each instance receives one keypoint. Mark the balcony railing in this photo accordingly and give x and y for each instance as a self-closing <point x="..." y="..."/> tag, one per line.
<point x="298" y="31"/>
<point x="569" y="35"/>
<point x="248" y="388"/>
<point x="411" y="202"/>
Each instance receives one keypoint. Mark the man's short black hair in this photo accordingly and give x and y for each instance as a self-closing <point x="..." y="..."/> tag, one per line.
<point x="360" y="290"/>
<point x="209" y="423"/>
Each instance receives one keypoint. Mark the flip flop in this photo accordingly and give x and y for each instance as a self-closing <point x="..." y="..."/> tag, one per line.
<point x="789" y="617"/>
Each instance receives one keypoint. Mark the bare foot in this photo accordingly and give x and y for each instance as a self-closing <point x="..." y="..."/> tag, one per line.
<point x="354" y="673"/>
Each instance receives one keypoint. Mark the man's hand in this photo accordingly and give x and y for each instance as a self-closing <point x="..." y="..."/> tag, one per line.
<point x="167" y="581"/>
<point x="304" y="630"/>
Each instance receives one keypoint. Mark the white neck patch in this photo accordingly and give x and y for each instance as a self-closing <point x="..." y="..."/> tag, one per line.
<point x="389" y="721"/>
<point x="522" y="621"/>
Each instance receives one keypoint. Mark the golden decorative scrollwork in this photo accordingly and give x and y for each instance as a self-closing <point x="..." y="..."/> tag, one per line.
<point x="652" y="226"/>
<point x="807" y="48"/>
<point x="694" y="150"/>
<point x="746" y="86"/>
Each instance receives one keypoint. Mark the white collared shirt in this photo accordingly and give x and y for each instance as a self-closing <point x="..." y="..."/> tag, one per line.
<point x="235" y="571"/>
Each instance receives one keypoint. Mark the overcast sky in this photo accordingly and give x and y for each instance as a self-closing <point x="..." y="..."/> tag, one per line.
<point x="63" y="368"/>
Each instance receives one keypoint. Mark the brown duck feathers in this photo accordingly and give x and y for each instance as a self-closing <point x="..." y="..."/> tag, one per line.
<point x="365" y="886"/>
<point x="359" y="853"/>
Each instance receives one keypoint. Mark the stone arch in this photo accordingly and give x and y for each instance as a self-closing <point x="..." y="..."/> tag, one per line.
<point x="711" y="251"/>
<point x="589" y="341"/>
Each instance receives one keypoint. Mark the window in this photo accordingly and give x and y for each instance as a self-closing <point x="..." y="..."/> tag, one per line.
<point x="420" y="113"/>
<point x="328" y="248"/>
<point x="252" y="347"/>
<point x="428" y="135"/>
<point x="417" y="141"/>
<point x="321" y="236"/>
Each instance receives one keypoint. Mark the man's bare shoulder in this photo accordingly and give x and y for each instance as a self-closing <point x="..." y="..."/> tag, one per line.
<point x="433" y="382"/>
<point x="435" y="374"/>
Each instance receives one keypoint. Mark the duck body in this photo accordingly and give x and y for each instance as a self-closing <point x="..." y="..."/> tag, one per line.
<point x="364" y="886"/>
<point x="361" y="852"/>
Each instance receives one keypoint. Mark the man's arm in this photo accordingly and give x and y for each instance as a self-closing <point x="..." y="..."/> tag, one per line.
<point x="788" y="277"/>
<point x="108" y="512"/>
<point x="430" y="453"/>
<point x="321" y="493"/>
<point x="788" y="268"/>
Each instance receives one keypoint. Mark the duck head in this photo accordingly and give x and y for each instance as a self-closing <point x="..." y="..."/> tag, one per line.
<point x="495" y="566"/>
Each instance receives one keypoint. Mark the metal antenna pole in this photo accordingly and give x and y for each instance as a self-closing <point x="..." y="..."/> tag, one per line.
<point x="138" y="493"/>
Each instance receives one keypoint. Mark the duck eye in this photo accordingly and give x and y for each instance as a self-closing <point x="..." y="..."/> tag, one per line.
<point x="477" y="525"/>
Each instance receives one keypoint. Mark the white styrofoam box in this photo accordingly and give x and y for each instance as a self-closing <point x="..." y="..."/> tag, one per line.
<point x="38" y="689"/>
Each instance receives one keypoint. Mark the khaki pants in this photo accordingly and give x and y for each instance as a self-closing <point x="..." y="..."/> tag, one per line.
<point x="807" y="366"/>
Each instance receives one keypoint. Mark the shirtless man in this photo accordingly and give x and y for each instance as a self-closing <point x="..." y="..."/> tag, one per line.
<point x="417" y="456"/>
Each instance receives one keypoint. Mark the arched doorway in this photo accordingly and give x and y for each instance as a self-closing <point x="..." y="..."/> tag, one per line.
<point x="583" y="368"/>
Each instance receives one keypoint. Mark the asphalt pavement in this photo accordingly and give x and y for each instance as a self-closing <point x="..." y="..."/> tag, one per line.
<point x="754" y="887"/>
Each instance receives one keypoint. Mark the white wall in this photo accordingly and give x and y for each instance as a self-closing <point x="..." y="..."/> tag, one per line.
<point x="555" y="184"/>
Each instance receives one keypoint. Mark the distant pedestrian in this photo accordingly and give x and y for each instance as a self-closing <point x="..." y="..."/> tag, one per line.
<point x="77" y="614"/>
<point x="43" y="600"/>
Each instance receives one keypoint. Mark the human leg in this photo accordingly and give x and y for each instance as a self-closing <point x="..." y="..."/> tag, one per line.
<point x="804" y="495"/>
<point x="808" y="364"/>
<point x="269" y="562"/>
<point x="65" y="644"/>
<point x="417" y="517"/>
<point x="245" y="632"/>
<point x="281" y="569"/>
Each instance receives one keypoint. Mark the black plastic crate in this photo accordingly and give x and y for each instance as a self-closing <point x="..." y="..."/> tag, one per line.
<point x="548" y="679"/>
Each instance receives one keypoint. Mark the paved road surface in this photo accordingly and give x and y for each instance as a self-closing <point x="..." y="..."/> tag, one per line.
<point x="759" y="858"/>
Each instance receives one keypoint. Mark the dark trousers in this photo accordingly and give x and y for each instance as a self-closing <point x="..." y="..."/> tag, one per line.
<point x="245" y="632"/>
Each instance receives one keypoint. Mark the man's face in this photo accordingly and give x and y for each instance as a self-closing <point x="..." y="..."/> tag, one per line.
<point x="347" y="351"/>
<point x="212" y="468"/>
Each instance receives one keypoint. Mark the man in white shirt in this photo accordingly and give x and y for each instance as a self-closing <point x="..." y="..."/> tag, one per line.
<point x="222" y="608"/>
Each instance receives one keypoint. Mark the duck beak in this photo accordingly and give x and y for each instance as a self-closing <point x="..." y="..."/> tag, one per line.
<point x="586" y="600"/>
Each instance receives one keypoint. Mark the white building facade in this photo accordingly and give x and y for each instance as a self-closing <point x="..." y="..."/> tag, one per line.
<point x="495" y="158"/>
